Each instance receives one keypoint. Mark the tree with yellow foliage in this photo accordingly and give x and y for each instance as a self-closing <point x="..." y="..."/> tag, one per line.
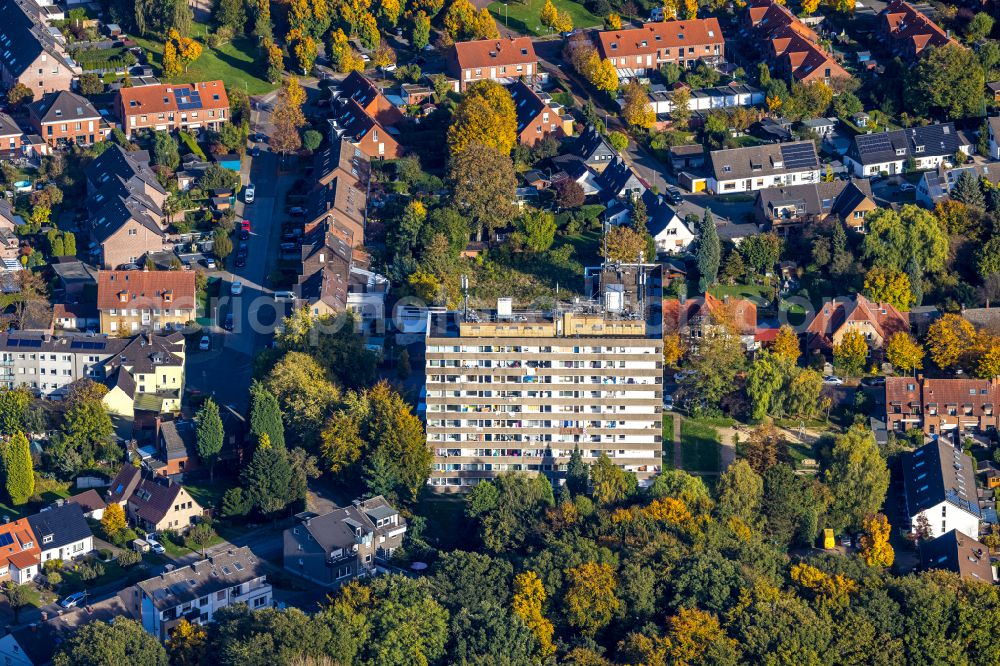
<point x="950" y="340"/>
<point x="637" y="111"/>
<point x="988" y="356"/>
<point x="305" y="49"/>
<point x="342" y="54"/>
<point x="389" y="12"/>
<point x="613" y="21"/>
<point x="875" y="547"/>
<point x="186" y="644"/>
<point x="591" y="601"/>
<point x="690" y="9"/>
<point x="668" y="510"/>
<point x="786" y="344"/>
<point x="564" y="22"/>
<point x="623" y="243"/>
<point x="178" y="53"/>
<point x="527" y="602"/>
<point x="773" y="103"/>
<point x="673" y="350"/>
<point x="384" y="56"/>
<point x="275" y="62"/>
<point x="905" y="353"/>
<point x="549" y="15"/>
<point x="809" y="7"/>
<point x="832" y="589"/>
<point x="486" y="116"/>
<point x="851" y="353"/>
<point x="671" y="9"/>
<point x="885" y="285"/>
<point x="692" y="633"/>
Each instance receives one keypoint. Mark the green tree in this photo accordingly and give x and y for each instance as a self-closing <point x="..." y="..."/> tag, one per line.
<point x="18" y="470"/>
<point x="231" y="14"/>
<point x="484" y="184"/>
<point x="121" y="641"/>
<point x="87" y="427"/>
<point x="17" y="596"/>
<point x="893" y="238"/>
<point x="505" y="510"/>
<point x="857" y="477"/>
<point x="267" y="480"/>
<point x="591" y="597"/>
<point x="305" y="395"/>
<point x="618" y="141"/>
<point x="420" y="34"/>
<point x="311" y="139"/>
<point x="979" y="27"/>
<point x="947" y="80"/>
<point x="222" y="244"/>
<point x="91" y="84"/>
<point x="210" y="435"/>
<point x="714" y="365"/>
<point x="709" y="253"/>
<point x="968" y="190"/>
<point x="165" y="152"/>
<point x="610" y="483"/>
<point x="235" y="502"/>
<point x="764" y="380"/>
<point x="398" y="461"/>
<point x="577" y="474"/>
<point x="740" y="491"/>
<point x="761" y="252"/>
<point x="538" y="228"/>
<point x="265" y="416"/>
<point x="201" y="536"/>
<point x="988" y="258"/>
<point x="14" y="405"/>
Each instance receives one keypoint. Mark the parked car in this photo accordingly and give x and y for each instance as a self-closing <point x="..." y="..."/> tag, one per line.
<point x="668" y="402"/>
<point x="236" y="288"/>
<point x="210" y="263"/>
<point x="248" y="193"/>
<point x="240" y="262"/>
<point x="674" y="196"/>
<point x="832" y="381"/>
<point x="846" y="541"/>
<point x="255" y="151"/>
<point x="73" y="600"/>
<point x="205" y="344"/>
<point x="873" y="381"/>
<point x="907" y="187"/>
<point x="296" y="211"/>
<point x="244" y="235"/>
<point x="227" y="323"/>
<point x="156" y="546"/>
<point x="242" y="250"/>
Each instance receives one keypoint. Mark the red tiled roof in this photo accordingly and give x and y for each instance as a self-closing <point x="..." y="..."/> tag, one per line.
<point x="164" y="97"/>
<point x="975" y="392"/>
<point x="832" y="316"/>
<point x="23" y="550"/>
<point x="740" y="312"/>
<point x="654" y="36"/>
<point x="494" y="52"/>
<point x="173" y="290"/>
<point x="901" y="21"/>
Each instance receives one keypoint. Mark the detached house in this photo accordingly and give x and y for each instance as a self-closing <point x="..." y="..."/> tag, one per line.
<point x="146" y="374"/>
<point x="198" y="591"/>
<point x="940" y="489"/>
<point x="64" y="117"/>
<point x="345" y="544"/>
<point x="505" y="60"/>
<point x="784" y="209"/>
<point x="696" y="318"/>
<point x="62" y="532"/>
<point x="638" y="51"/>
<point x="125" y="207"/>
<point x="670" y="233"/>
<point x="908" y="32"/>
<point x="942" y="406"/>
<point x="876" y="321"/>
<point x="535" y="118"/>
<point x="936" y="186"/>
<point x="887" y="152"/>
<point x="29" y="54"/>
<point x="758" y="167"/>
<point x="153" y="504"/>
<point x="792" y="48"/>
<point x="134" y="300"/>
<point x="169" y="106"/>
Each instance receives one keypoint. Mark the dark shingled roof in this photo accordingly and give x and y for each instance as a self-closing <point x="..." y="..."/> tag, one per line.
<point x="938" y="472"/>
<point x="219" y="572"/>
<point x="66" y="524"/>
<point x="941" y="140"/>
<point x="960" y="553"/>
<point x="63" y="106"/>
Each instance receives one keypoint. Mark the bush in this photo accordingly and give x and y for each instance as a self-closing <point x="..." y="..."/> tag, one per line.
<point x="52" y="565"/>
<point x="105" y="554"/>
<point x="90" y="571"/>
<point x="54" y="578"/>
<point x="122" y="537"/>
<point x="129" y="558"/>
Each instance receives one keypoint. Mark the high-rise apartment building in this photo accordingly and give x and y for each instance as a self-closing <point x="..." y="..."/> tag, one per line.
<point x="513" y="390"/>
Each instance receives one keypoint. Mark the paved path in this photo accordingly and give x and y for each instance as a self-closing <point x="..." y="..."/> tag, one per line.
<point x="727" y="451"/>
<point x="678" y="458"/>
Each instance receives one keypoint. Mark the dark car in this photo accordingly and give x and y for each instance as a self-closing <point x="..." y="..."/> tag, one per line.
<point x="243" y="250"/>
<point x="228" y="322"/>
<point x="241" y="262"/>
<point x="244" y="234"/>
<point x="255" y="151"/>
<point x="873" y="381"/>
<point x="674" y="196"/>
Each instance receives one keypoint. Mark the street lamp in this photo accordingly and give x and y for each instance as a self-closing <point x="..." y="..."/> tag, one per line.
<point x="505" y="14"/>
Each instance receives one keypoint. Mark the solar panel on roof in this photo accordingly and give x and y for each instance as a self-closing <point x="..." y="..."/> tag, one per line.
<point x="6" y="539"/>
<point x="31" y="343"/>
<point x="802" y="155"/>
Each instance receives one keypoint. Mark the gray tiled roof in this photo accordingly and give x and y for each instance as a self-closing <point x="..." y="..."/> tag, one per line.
<point x="939" y="140"/>
<point x="219" y="572"/>
<point x="938" y="472"/>
<point x="765" y="160"/>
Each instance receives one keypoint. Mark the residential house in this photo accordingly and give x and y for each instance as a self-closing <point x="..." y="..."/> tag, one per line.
<point x="133" y="300"/>
<point x="505" y="60"/>
<point x="687" y="157"/>
<point x="959" y="553"/>
<point x="339" y="198"/>
<point x="36" y="643"/>
<point x="153" y="503"/>
<point x="888" y="152"/>
<point x="793" y="49"/>
<point x="173" y="106"/>
<point x="19" y="552"/>
<point x="618" y="181"/>
<point x="90" y="502"/>
<point x="177" y="451"/>
<point x="335" y="277"/>
<point x="369" y="97"/>
<point x="198" y="591"/>
<point x="62" y="532"/>
<point x="30" y="54"/>
<point x="940" y="489"/>
<point x="758" y="167"/>
<point x="908" y="32"/>
<point x="594" y="149"/>
<point x="75" y="317"/>
<point x="571" y="167"/>
<point x="638" y="51"/>
<point x="661" y="97"/>
<point x="63" y="118"/>
<point x="345" y="544"/>
<point x="535" y="119"/>
<point x="935" y="186"/>
<point x="785" y="209"/>
<point x="47" y="364"/>
<point x="942" y="406"/>
<point x="125" y="205"/>
<point x="11" y="137"/>
<point x="696" y="318"/>
<point x="876" y="321"/>
<point x="821" y="127"/>
<point x="146" y="374"/>
<point x="10" y="244"/>
<point x="993" y="127"/>
<point x="993" y="90"/>
<point x="670" y="233"/>
<point x="352" y="122"/>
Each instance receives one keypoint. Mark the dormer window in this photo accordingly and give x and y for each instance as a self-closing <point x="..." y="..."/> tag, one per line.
<point x="614" y="46"/>
<point x="918" y="149"/>
<point x="900" y="152"/>
<point x="123" y="296"/>
<point x="168" y="296"/>
<point x="727" y="169"/>
<point x="47" y="538"/>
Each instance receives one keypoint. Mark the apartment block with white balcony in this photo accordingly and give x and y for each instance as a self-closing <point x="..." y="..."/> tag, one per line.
<point x="518" y="391"/>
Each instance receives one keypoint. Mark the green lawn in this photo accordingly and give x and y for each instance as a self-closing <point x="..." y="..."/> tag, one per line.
<point x="668" y="441"/>
<point x="236" y="63"/>
<point x="751" y="291"/>
<point x="699" y="446"/>
<point x="523" y="16"/>
<point x="209" y="495"/>
<point x="47" y="491"/>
